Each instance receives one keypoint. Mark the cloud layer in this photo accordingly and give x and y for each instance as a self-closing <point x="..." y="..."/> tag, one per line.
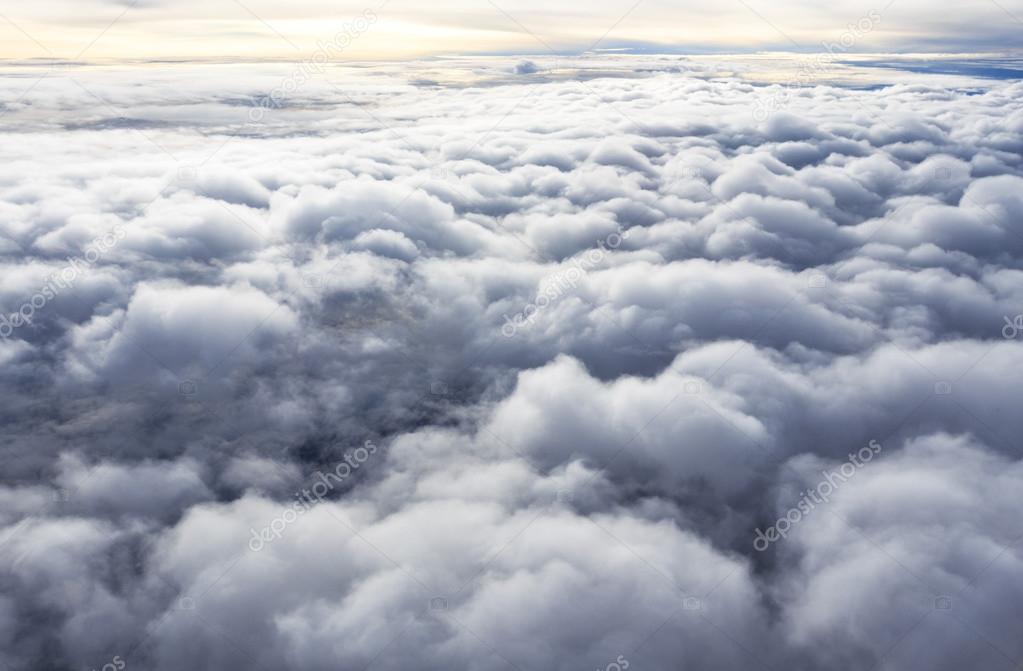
<point x="510" y="374"/>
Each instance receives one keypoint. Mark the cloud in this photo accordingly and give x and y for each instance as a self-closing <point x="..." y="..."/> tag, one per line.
<point x="509" y="371"/>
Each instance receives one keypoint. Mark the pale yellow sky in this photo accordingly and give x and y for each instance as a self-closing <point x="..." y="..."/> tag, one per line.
<point x="258" y="29"/>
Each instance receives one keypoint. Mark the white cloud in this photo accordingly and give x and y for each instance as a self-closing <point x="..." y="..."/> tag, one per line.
<point x="783" y="291"/>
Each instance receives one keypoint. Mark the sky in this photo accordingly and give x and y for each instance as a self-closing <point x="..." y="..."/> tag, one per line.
<point x="264" y="29"/>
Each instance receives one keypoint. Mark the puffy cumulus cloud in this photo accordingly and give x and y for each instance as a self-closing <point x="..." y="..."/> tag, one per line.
<point x="936" y="557"/>
<point x="143" y="489"/>
<point x="185" y="331"/>
<point x="202" y="230"/>
<point x="559" y="413"/>
<point x="573" y="570"/>
<point x="491" y="363"/>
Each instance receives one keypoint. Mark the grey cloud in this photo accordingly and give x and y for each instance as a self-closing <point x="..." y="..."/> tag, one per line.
<point x="574" y="441"/>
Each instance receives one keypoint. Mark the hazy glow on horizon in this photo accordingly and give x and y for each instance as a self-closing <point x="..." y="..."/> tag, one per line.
<point x="255" y="29"/>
